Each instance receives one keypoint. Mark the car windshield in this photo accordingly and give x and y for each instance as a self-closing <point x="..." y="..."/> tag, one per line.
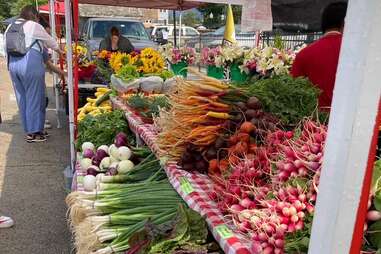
<point x="129" y="29"/>
<point x="221" y="30"/>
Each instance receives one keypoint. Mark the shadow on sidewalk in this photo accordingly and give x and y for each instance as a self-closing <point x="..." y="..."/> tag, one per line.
<point x="32" y="189"/>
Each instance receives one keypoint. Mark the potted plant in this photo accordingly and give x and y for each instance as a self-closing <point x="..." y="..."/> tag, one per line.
<point x="233" y="56"/>
<point x="212" y="58"/>
<point x="180" y="58"/>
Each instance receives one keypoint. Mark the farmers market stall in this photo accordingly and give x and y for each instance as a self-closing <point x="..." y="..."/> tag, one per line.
<point x="246" y="155"/>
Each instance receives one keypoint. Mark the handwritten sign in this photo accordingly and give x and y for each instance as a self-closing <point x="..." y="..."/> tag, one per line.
<point x="224" y="232"/>
<point x="186" y="186"/>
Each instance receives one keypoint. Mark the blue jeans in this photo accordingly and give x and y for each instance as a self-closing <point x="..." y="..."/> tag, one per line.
<point x="28" y="78"/>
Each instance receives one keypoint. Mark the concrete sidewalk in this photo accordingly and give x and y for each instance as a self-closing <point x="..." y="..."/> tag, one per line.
<point x="32" y="187"/>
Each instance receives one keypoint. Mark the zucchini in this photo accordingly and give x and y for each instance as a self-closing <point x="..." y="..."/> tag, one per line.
<point x="103" y="98"/>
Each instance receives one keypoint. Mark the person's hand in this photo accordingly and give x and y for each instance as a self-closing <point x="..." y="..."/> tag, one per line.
<point x="60" y="51"/>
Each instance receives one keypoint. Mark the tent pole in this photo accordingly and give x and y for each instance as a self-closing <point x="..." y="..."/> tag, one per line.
<point x="174" y="29"/>
<point x="349" y="150"/>
<point x="69" y="61"/>
<point x="180" y="27"/>
<point x="54" y="58"/>
<point x="76" y="67"/>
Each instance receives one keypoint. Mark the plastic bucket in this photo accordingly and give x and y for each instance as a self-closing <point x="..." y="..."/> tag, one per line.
<point x="236" y="75"/>
<point x="180" y="69"/>
<point x="215" y="72"/>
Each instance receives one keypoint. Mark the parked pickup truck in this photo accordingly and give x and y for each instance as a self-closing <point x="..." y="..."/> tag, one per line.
<point x="96" y="29"/>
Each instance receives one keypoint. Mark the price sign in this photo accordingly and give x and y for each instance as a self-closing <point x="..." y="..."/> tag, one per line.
<point x="224" y="232"/>
<point x="186" y="186"/>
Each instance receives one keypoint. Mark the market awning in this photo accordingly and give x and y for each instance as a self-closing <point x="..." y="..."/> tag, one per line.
<point x="60" y="8"/>
<point x="298" y="14"/>
<point x="152" y="4"/>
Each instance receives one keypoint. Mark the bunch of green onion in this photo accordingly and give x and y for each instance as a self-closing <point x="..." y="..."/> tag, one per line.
<point x="104" y="220"/>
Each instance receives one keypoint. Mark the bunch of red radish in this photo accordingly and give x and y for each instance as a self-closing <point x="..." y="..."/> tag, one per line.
<point x="270" y="236"/>
<point x="260" y="194"/>
<point x="302" y="157"/>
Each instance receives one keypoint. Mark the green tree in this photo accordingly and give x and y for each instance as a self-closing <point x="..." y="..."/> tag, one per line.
<point x="218" y="10"/>
<point x="19" y="4"/>
<point x="5" y="10"/>
<point x="190" y="19"/>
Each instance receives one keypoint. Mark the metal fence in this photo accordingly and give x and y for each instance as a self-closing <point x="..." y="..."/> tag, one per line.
<point x="289" y="40"/>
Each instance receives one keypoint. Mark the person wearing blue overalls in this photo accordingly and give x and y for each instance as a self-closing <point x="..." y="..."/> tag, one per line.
<point x="28" y="74"/>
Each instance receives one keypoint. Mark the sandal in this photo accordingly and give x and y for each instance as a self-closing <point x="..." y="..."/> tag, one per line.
<point x="35" y="138"/>
<point x="45" y="134"/>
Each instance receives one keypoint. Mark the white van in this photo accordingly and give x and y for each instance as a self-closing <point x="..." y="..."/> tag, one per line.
<point x="187" y="33"/>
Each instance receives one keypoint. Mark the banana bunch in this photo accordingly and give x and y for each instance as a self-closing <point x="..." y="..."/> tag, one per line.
<point x="96" y="106"/>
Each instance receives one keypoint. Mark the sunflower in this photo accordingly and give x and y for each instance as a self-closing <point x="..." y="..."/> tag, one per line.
<point x="104" y="54"/>
<point x="117" y="60"/>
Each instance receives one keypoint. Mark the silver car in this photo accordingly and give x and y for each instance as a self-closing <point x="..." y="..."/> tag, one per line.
<point x="96" y="29"/>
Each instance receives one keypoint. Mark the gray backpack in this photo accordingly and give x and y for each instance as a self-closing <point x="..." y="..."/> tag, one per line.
<point x="15" y="39"/>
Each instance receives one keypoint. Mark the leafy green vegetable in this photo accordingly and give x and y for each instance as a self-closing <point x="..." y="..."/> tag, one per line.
<point x="298" y="242"/>
<point x="374" y="234"/>
<point x="128" y="72"/>
<point x="187" y="233"/>
<point x="148" y="106"/>
<point x="139" y="102"/>
<point x="101" y="129"/>
<point x="376" y="185"/>
<point x="166" y="74"/>
<point x="376" y="178"/>
<point x="157" y="102"/>
<point x="104" y="70"/>
<point x="289" y="99"/>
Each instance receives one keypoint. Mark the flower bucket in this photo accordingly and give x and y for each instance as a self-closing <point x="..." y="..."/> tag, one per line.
<point x="215" y="72"/>
<point x="236" y="75"/>
<point x="180" y="69"/>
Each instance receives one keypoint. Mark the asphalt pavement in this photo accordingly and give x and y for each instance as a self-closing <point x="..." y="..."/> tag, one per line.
<point x="32" y="186"/>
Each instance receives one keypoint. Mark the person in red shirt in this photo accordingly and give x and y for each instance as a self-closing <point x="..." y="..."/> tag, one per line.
<point x="318" y="61"/>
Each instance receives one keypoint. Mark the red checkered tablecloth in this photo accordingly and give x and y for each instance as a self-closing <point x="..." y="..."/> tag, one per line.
<point x="192" y="187"/>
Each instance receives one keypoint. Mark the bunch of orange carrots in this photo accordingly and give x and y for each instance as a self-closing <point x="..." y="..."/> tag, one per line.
<point x="196" y="116"/>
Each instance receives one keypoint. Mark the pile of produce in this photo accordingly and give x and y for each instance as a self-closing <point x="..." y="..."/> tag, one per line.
<point x="146" y="105"/>
<point x="117" y="159"/>
<point x="102" y="129"/>
<point x="290" y="99"/>
<point x="196" y="115"/>
<point x="104" y="220"/>
<point x="98" y="105"/>
<point x="136" y="210"/>
<point x="258" y="142"/>
<point x="281" y="99"/>
<point x="186" y="233"/>
<point x="269" y="193"/>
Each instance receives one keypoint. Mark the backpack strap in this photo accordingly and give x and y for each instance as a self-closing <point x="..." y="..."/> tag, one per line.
<point x="22" y="22"/>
